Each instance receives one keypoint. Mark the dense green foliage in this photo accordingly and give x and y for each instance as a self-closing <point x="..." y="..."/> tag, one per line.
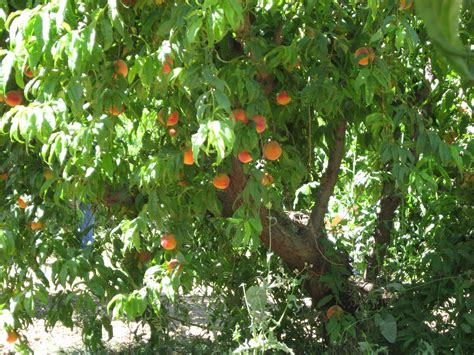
<point x="409" y="115"/>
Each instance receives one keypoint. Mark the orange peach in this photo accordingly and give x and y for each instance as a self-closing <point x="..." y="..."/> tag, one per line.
<point x="365" y="55"/>
<point x="36" y="225"/>
<point x="12" y="336"/>
<point x="120" y="68"/>
<point x="221" y="181"/>
<point x="188" y="157"/>
<point x="14" y="98"/>
<point x="272" y="150"/>
<point x="114" y="111"/>
<point x="173" y="119"/>
<point x="22" y="203"/>
<point x="172" y="132"/>
<point x="168" y="241"/>
<point x="260" y="123"/>
<point x="239" y="115"/>
<point x="27" y="71"/>
<point x="283" y="98"/>
<point x="245" y="157"/>
<point x="166" y="69"/>
<point x="4" y="176"/>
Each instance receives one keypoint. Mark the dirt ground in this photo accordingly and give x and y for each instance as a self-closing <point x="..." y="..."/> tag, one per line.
<point x="128" y="337"/>
<point x="64" y="340"/>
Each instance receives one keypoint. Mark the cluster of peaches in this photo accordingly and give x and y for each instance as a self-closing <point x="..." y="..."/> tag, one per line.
<point x="168" y="242"/>
<point x="271" y="149"/>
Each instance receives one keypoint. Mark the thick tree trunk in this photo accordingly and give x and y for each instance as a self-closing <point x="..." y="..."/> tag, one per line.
<point x="299" y="246"/>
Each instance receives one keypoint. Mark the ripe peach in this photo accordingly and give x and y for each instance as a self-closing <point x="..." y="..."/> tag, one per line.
<point x="144" y="256"/>
<point x="166" y="69"/>
<point x="267" y="179"/>
<point x="272" y="150"/>
<point x="4" y="176"/>
<point x="36" y="225"/>
<point x="183" y="183"/>
<point x="283" y="98"/>
<point x="188" y="157"/>
<point x="260" y="123"/>
<point x="22" y="203"/>
<point x="160" y="116"/>
<point x="14" y="98"/>
<point x="120" y="68"/>
<point x="27" y="71"/>
<point x="168" y="241"/>
<point x="221" y="181"/>
<point x="239" y="115"/>
<point x="12" y="336"/>
<point x="173" y="119"/>
<point x="365" y="55"/>
<point x="245" y="157"/>
<point x="172" y="132"/>
<point x="334" y="311"/>
<point x="114" y="111"/>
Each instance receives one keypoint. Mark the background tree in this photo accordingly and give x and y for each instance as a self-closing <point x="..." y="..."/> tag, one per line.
<point x="208" y="136"/>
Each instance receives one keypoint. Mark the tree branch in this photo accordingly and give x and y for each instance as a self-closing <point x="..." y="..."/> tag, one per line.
<point x="328" y="181"/>
<point x="389" y="203"/>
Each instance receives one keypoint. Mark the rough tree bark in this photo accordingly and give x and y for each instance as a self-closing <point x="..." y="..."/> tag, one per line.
<point x="296" y="244"/>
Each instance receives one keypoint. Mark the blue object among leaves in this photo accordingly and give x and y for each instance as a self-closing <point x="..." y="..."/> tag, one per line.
<point x="87" y="226"/>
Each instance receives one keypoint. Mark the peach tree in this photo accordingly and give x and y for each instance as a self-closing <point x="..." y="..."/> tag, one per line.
<point x="268" y="152"/>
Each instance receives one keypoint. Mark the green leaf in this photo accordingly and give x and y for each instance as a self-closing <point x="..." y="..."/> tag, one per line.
<point x="387" y="325"/>
<point x="193" y="29"/>
<point x="233" y="12"/>
<point x="221" y="137"/>
<point x="198" y="140"/>
<point x="7" y="65"/>
<point x="74" y="92"/>
<point x="442" y="19"/>
<point x="256" y="298"/>
<point x="115" y="17"/>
